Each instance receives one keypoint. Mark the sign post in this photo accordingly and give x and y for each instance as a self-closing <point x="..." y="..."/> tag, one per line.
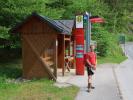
<point x="122" y="41"/>
<point x="87" y="29"/>
<point x="88" y="19"/>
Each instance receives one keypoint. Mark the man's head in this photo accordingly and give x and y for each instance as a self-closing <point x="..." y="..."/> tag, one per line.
<point x="92" y="47"/>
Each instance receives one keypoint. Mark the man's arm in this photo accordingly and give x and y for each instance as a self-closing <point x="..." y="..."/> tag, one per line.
<point x="95" y="64"/>
<point x="89" y="63"/>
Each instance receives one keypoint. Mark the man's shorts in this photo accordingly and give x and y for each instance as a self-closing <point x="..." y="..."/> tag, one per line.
<point x="89" y="70"/>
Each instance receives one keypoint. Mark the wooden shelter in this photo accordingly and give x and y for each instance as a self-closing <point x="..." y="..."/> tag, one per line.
<point x="43" y="45"/>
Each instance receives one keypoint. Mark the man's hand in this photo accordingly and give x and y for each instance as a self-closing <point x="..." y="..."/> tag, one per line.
<point x="93" y="67"/>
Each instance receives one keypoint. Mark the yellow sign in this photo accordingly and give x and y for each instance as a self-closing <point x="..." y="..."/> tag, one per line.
<point x="79" y="18"/>
<point x="79" y="21"/>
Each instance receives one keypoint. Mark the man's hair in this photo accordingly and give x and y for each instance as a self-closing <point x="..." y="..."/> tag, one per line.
<point x="92" y="45"/>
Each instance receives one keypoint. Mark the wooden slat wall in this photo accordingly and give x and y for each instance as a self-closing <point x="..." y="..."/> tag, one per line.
<point x="42" y="38"/>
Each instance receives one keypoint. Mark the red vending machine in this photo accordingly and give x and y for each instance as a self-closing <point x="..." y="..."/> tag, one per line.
<point x="79" y="39"/>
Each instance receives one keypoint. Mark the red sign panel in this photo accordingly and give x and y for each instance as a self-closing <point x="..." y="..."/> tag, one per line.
<point x="96" y="20"/>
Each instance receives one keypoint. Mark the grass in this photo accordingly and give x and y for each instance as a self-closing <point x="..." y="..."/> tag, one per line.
<point x="42" y="89"/>
<point x="129" y="37"/>
<point x="115" y="52"/>
<point x="36" y="90"/>
<point x="111" y="59"/>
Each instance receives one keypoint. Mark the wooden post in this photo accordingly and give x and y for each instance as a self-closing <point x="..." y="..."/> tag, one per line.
<point x="63" y="55"/>
<point x="69" y="46"/>
<point x="56" y="57"/>
<point x="74" y="52"/>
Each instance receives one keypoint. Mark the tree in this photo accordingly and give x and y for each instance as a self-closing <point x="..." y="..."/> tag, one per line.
<point x="14" y="11"/>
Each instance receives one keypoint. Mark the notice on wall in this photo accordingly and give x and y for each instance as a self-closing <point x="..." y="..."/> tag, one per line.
<point x="79" y="21"/>
<point x="79" y="47"/>
<point x="79" y="55"/>
<point x="79" y="51"/>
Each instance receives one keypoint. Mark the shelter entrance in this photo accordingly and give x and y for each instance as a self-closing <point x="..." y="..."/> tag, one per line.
<point x="65" y="54"/>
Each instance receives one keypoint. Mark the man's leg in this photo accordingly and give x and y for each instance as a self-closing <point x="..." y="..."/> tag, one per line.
<point x="89" y="82"/>
<point x="92" y="87"/>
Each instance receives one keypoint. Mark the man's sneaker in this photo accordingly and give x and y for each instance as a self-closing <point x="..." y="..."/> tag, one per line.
<point x="89" y="87"/>
<point x="89" y="90"/>
<point x="92" y="87"/>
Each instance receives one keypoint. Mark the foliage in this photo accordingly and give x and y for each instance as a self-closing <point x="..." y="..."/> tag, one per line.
<point x="80" y="6"/>
<point x="58" y="3"/>
<point x="129" y="37"/>
<point x="103" y="40"/>
<point x="116" y="13"/>
<point x="121" y="14"/>
<point x="14" y="11"/>
<point x="4" y="32"/>
<point x="107" y="42"/>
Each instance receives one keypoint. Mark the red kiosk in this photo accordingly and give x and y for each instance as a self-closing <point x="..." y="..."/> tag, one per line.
<point x="79" y="39"/>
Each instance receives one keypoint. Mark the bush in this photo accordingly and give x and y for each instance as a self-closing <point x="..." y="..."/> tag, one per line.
<point x="103" y="40"/>
<point x="4" y="32"/>
<point x="129" y="37"/>
<point x="107" y="43"/>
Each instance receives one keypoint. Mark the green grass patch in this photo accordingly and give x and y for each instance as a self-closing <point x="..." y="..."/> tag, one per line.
<point x="111" y="59"/>
<point x="129" y="37"/>
<point x="42" y="89"/>
<point x="114" y="52"/>
<point x="37" y="90"/>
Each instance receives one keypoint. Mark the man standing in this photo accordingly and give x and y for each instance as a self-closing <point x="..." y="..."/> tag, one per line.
<point x="90" y="63"/>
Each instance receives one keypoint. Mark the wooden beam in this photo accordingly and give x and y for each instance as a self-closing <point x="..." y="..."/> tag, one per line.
<point x="67" y="39"/>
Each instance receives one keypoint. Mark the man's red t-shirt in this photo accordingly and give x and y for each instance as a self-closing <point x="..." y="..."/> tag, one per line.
<point x="91" y="56"/>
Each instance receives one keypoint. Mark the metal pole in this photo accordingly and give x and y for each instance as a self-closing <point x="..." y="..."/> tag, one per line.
<point x="87" y="27"/>
<point x="89" y="32"/>
<point x="124" y="49"/>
